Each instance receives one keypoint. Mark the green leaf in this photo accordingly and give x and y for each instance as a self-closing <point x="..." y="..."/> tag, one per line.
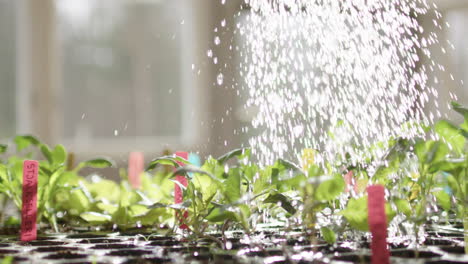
<point x="430" y="151"/>
<point x="95" y="217"/>
<point x="451" y="134"/>
<point x="330" y="189"/>
<point x="25" y="141"/>
<point x="283" y="201"/>
<point x="195" y="170"/>
<point x="448" y="165"/>
<point x="7" y="260"/>
<point x="99" y="163"/>
<point x="232" y="186"/>
<point x="121" y="217"/>
<point x="155" y="216"/>
<point x="207" y="186"/>
<point x="51" y="186"/>
<point x="261" y="182"/>
<point x="403" y="207"/>
<point x="104" y="189"/>
<point x="287" y="165"/>
<point x="243" y="215"/>
<point x="185" y="205"/>
<point x="47" y="153"/>
<point x="234" y="153"/>
<point x="12" y="221"/>
<point x="356" y="213"/>
<point x="328" y="235"/>
<point x="315" y="171"/>
<point x="45" y="171"/>
<point x="167" y="160"/>
<point x="219" y="214"/>
<point x="59" y="155"/>
<point x="443" y="199"/>
<point x="77" y="202"/>
<point x="185" y="170"/>
<point x="460" y="109"/>
<point x="3" y="148"/>
<point x="437" y="152"/>
<point x="453" y="184"/>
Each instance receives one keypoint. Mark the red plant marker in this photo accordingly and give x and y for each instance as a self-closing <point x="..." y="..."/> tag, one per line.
<point x="29" y="209"/>
<point x="178" y="194"/>
<point x="378" y="224"/>
<point x="136" y="163"/>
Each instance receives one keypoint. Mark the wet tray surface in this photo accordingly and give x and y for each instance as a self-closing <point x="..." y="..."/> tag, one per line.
<point x="146" y="248"/>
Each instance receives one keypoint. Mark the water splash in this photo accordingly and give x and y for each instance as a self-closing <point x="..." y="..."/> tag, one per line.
<point x="332" y="75"/>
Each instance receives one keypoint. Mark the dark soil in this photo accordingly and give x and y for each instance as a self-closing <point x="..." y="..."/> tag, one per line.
<point x="133" y="247"/>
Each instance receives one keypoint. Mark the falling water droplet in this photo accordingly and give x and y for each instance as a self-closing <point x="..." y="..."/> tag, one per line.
<point x="217" y="40"/>
<point x="220" y="79"/>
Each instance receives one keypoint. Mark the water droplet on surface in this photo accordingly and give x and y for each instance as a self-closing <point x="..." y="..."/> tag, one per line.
<point x="116" y="132"/>
<point x="217" y="40"/>
<point x="209" y="53"/>
<point x="220" y="79"/>
<point x="223" y="22"/>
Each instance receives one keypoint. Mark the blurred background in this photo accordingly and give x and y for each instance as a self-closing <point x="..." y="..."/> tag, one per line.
<point x="106" y="77"/>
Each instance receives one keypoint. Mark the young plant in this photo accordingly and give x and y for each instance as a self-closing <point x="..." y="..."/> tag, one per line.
<point x="53" y="177"/>
<point x="455" y="165"/>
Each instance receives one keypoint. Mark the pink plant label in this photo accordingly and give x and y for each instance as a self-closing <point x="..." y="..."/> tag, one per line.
<point x="378" y="224"/>
<point x="178" y="194"/>
<point x="29" y="209"/>
<point x="136" y="163"/>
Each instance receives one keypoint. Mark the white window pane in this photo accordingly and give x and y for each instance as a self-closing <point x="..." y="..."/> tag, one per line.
<point x="7" y="68"/>
<point x="458" y="36"/>
<point x="121" y="68"/>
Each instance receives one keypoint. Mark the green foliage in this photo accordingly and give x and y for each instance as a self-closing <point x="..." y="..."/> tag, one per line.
<point x="282" y="200"/>
<point x="25" y="141"/>
<point x="166" y="160"/>
<point x="328" y="235"/>
<point x="7" y="260"/>
<point x="3" y="148"/>
<point x="234" y="192"/>
<point x="356" y="213"/>
<point x="234" y="153"/>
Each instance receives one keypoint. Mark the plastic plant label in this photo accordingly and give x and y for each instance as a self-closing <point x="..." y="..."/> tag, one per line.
<point x="136" y="163"/>
<point x="378" y="224"/>
<point x="29" y="209"/>
<point x="178" y="194"/>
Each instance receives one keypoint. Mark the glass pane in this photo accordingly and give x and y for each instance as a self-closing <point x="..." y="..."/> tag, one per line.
<point x="7" y="68"/>
<point x="458" y="36"/>
<point x="121" y="67"/>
